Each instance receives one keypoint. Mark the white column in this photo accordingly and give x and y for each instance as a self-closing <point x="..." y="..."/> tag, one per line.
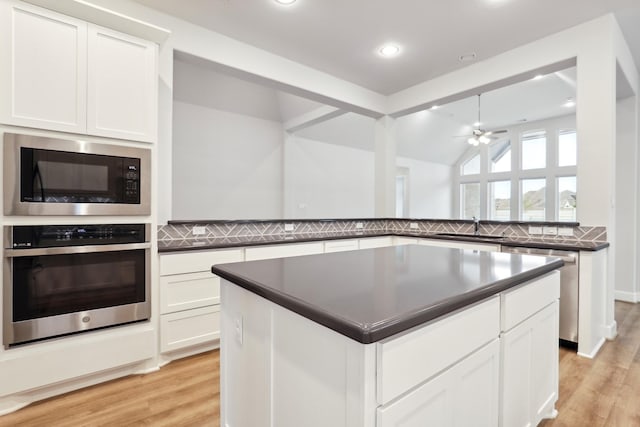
<point x="385" y="167"/>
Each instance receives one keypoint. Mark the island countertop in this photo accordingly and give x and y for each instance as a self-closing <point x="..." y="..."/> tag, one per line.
<point x="372" y="294"/>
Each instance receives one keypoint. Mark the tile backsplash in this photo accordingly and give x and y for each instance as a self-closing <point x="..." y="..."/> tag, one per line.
<point x="221" y="229"/>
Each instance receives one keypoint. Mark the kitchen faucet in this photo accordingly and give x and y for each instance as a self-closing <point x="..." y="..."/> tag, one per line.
<point x="476" y="226"/>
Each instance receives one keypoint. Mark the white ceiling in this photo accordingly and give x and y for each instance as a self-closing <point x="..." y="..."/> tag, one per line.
<point x="341" y="37"/>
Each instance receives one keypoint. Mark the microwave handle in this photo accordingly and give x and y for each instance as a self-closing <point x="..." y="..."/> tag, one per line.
<point x="62" y="250"/>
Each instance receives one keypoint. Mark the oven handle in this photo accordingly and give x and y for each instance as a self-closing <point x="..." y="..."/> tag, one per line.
<point x="17" y="253"/>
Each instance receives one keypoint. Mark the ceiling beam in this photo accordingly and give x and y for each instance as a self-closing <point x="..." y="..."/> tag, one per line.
<point x="311" y="118"/>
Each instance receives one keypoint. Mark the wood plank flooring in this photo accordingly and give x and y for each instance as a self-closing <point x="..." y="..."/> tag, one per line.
<point x="600" y="392"/>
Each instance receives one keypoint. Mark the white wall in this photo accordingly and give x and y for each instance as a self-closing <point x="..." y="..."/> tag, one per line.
<point x="430" y="188"/>
<point x="324" y="180"/>
<point x="626" y="200"/>
<point x="225" y="165"/>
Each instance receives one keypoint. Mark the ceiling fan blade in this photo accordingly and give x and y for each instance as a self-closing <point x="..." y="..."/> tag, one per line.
<point x="499" y="131"/>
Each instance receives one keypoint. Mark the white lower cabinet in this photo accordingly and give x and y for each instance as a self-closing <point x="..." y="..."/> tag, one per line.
<point x="494" y="363"/>
<point x="464" y="395"/>
<point x="189" y="328"/>
<point x="190" y="298"/>
<point x="530" y="369"/>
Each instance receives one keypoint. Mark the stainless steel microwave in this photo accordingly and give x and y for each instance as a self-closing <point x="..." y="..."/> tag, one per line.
<point x="50" y="176"/>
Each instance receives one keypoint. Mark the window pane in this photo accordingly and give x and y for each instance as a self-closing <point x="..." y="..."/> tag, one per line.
<point x="471" y="166"/>
<point x="567" y="201"/>
<point x="470" y="200"/>
<point x="500" y="156"/>
<point x="500" y="200"/>
<point x="534" y="150"/>
<point x="532" y="199"/>
<point x="567" y="148"/>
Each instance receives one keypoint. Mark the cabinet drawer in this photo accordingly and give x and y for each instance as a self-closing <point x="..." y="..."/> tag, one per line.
<point x="281" y="251"/>
<point x="187" y="328"/>
<point x="341" y="245"/>
<point x="185" y="291"/>
<point x="376" y="242"/>
<point x="529" y="298"/>
<point x="404" y="362"/>
<point x="452" y="398"/>
<point x="197" y="261"/>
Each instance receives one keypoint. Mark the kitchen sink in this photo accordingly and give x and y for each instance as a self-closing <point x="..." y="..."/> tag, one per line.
<point x="473" y="236"/>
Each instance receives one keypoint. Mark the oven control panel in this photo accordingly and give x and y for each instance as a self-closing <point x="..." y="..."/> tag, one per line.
<point x="44" y="236"/>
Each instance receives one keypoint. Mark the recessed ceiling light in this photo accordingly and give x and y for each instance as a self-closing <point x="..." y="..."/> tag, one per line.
<point x="538" y="77"/>
<point x="476" y="124"/>
<point x="285" y="2"/>
<point x="570" y="103"/>
<point x="435" y="107"/>
<point x="467" y="57"/>
<point x="389" y="50"/>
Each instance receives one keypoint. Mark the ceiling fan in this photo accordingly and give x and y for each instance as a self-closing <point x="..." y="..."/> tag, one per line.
<point x="481" y="136"/>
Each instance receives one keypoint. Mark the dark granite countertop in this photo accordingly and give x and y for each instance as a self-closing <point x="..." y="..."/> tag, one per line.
<point x="230" y="242"/>
<point x="371" y="294"/>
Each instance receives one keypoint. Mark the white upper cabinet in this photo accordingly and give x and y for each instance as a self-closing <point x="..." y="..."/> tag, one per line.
<point x="64" y="74"/>
<point x="43" y="69"/>
<point x="122" y="85"/>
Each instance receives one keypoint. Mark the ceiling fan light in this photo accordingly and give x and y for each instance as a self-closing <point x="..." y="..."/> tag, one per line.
<point x="473" y="141"/>
<point x="484" y="139"/>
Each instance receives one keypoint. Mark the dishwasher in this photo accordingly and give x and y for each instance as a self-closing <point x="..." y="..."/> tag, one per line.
<point x="568" y="289"/>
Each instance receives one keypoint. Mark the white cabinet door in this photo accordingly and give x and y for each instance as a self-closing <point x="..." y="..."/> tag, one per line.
<point x="464" y="395"/>
<point x="42" y="69"/>
<point x="530" y="369"/>
<point x="122" y="85"/>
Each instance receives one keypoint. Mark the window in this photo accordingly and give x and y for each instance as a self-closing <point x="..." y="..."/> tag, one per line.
<point x="470" y="200"/>
<point x="567" y="148"/>
<point x="500" y="200"/>
<point x="534" y="150"/>
<point x="531" y="179"/>
<point x="567" y="201"/>
<point x="500" y="156"/>
<point x="532" y="199"/>
<point x="471" y="166"/>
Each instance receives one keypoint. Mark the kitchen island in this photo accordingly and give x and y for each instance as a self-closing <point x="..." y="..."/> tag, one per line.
<point x="390" y="336"/>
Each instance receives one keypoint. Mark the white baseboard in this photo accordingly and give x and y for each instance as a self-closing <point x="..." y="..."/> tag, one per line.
<point x="625" y="296"/>
<point x="610" y="331"/>
<point x="594" y="350"/>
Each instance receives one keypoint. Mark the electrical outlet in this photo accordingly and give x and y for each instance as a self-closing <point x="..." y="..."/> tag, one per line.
<point x="550" y="231"/>
<point x="199" y="230"/>
<point x="565" y="231"/>
<point x="359" y="225"/>
<point x="237" y="326"/>
<point x="413" y="225"/>
<point x="288" y="227"/>
<point x="535" y="230"/>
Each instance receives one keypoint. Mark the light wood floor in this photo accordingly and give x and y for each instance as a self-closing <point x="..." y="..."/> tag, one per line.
<point x="600" y="392"/>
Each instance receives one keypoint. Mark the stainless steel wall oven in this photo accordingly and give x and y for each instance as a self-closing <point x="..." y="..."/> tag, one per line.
<point x="50" y="176"/>
<point x="61" y="279"/>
